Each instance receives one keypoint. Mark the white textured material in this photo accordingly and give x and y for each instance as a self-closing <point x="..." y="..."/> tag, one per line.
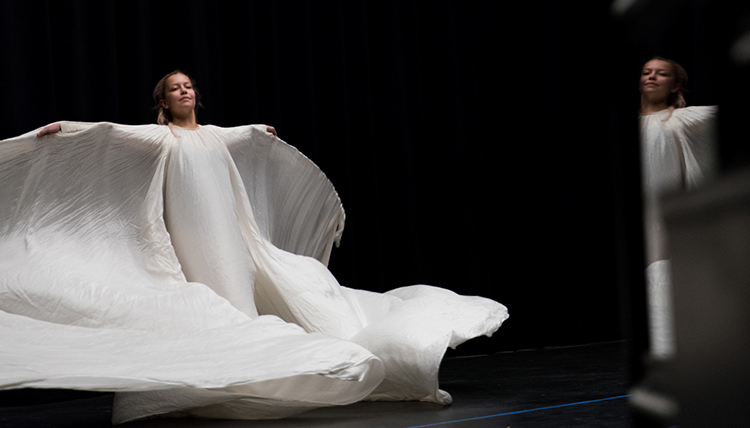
<point x="678" y="153"/>
<point x="660" y="309"/>
<point x="137" y="259"/>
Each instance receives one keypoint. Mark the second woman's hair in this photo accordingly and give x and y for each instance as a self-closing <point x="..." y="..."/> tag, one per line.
<point x="164" y="115"/>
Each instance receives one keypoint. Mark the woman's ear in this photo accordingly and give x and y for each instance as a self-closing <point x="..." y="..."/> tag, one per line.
<point x="676" y="88"/>
<point x="163" y="104"/>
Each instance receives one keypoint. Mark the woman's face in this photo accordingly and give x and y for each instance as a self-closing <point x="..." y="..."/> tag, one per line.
<point x="179" y="97"/>
<point x="658" y="79"/>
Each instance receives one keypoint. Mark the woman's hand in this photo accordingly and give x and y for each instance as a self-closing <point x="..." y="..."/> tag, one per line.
<point x="271" y="130"/>
<point x="50" y="129"/>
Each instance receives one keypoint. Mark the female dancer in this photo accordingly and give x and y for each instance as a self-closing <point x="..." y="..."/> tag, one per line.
<point x="195" y="234"/>
<point x="677" y="153"/>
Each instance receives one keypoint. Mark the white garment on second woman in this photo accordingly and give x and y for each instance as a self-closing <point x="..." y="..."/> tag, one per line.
<point x="677" y="153"/>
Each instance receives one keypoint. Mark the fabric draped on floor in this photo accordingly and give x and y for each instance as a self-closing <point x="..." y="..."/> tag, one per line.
<point x="185" y="270"/>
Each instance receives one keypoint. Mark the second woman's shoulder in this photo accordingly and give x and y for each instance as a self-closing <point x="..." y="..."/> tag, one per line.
<point x="696" y="113"/>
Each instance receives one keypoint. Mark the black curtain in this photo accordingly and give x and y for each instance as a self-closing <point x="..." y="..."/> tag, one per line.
<point x="476" y="146"/>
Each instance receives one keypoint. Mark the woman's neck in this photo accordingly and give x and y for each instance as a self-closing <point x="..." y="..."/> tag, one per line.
<point x="187" y="122"/>
<point x="650" y="107"/>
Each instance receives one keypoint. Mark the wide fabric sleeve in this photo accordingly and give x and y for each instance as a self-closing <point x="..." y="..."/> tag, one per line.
<point x="295" y="205"/>
<point x="695" y="131"/>
<point x="68" y="127"/>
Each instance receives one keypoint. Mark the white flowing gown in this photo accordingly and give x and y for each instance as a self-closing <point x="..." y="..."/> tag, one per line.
<point x="677" y="153"/>
<point x="185" y="270"/>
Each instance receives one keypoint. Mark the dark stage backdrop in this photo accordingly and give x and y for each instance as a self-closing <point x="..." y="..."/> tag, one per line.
<point x="470" y="141"/>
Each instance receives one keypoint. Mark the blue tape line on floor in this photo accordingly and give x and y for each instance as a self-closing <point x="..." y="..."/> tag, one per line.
<point x="521" y="411"/>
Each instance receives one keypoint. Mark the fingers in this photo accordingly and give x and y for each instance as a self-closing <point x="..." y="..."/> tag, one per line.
<point x="271" y="130"/>
<point x="50" y="129"/>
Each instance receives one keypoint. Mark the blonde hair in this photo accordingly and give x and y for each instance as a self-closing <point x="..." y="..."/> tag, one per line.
<point x="164" y="116"/>
<point x="676" y="99"/>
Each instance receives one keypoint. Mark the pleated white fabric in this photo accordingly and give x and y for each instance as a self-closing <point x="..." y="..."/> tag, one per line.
<point x="185" y="270"/>
<point x="677" y="153"/>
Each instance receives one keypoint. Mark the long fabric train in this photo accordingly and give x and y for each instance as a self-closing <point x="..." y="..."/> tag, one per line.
<point x="185" y="270"/>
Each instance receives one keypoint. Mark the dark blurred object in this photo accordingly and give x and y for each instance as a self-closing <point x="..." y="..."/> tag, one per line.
<point x="709" y="233"/>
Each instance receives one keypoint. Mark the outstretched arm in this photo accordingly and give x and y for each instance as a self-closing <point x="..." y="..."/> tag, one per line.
<point x="64" y="126"/>
<point x="56" y="127"/>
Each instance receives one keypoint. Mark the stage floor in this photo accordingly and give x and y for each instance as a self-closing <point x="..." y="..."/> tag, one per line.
<point x="581" y="386"/>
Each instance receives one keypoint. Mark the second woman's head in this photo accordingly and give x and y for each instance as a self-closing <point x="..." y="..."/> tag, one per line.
<point x="175" y="96"/>
<point x="664" y="80"/>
